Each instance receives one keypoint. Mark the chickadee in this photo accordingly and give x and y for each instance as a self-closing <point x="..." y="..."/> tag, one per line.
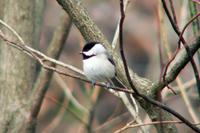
<point x="97" y="63"/>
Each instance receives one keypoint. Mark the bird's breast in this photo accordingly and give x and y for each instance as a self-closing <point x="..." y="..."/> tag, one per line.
<point x="98" y="69"/>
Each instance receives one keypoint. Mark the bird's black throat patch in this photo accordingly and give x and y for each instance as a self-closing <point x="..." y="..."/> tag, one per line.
<point x="87" y="56"/>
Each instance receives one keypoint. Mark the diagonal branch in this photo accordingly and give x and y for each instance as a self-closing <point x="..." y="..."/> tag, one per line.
<point x="131" y="125"/>
<point x="177" y="66"/>
<point x="137" y="93"/>
<point x="54" y="50"/>
<point x="122" y="49"/>
<point x="178" y="32"/>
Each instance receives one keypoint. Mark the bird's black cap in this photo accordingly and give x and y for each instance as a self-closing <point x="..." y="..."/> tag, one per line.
<point x="88" y="46"/>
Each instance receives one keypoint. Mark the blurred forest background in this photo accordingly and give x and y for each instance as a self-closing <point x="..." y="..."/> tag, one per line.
<point x="69" y="101"/>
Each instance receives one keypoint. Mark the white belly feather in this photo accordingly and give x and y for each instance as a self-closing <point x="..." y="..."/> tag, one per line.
<point x="98" y="69"/>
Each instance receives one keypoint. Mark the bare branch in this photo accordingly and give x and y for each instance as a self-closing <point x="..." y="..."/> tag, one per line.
<point x="177" y="30"/>
<point x="43" y="61"/>
<point x="137" y="94"/>
<point x="54" y="50"/>
<point x="130" y="125"/>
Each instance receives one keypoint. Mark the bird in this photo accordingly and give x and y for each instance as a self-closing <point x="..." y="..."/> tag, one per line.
<point x="98" y="64"/>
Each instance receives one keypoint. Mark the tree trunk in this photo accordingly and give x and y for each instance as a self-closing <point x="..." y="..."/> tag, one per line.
<point x="17" y="70"/>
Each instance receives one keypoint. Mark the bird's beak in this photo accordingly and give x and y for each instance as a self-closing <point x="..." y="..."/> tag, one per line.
<point x="80" y="52"/>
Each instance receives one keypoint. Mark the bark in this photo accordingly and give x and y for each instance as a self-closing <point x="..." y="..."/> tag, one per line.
<point x="17" y="71"/>
<point x="38" y="17"/>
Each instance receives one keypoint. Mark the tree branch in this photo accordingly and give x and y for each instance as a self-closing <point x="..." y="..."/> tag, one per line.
<point x="177" y="30"/>
<point x="177" y="66"/>
<point x="130" y="125"/>
<point x="54" y="50"/>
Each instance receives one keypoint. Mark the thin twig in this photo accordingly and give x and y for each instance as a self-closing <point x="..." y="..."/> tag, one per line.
<point x="185" y="27"/>
<point x="162" y="41"/>
<point x="187" y="85"/>
<point x="43" y="61"/>
<point x="179" y="81"/>
<point x="113" y="122"/>
<point x="116" y="35"/>
<point x="89" y="125"/>
<point x="137" y="94"/>
<point x="173" y="12"/>
<point x="47" y="58"/>
<point x="133" y="109"/>
<point x="125" y="127"/>
<point x="176" y="29"/>
<point x="12" y="30"/>
<point x="58" y="118"/>
<point x="66" y="109"/>
<point x="129" y="125"/>
<point x="122" y="49"/>
<point x="187" y="49"/>
<point x="68" y="94"/>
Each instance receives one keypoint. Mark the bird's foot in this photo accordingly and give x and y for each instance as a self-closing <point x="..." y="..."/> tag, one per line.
<point x="108" y="85"/>
<point x="93" y="83"/>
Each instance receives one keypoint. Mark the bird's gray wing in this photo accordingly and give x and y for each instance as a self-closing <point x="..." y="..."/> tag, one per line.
<point x="110" y="58"/>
